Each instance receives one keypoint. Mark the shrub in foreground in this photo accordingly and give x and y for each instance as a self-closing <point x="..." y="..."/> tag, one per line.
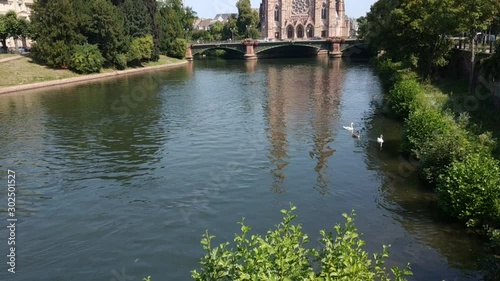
<point x="86" y="59"/>
<point x="281" y="255"/>
<point x="470" y="190"/>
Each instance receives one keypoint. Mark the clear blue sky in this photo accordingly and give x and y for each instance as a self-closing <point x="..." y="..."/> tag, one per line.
<point x="209" y="8"/>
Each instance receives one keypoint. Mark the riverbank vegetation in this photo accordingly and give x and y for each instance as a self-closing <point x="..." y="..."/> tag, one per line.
<point x="455" y="158"/>
<point x="282" y="255"/>
<point x="85" y="36"/>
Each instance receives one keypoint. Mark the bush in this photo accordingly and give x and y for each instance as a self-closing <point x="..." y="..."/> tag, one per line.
<point x="421" y="126"/>
<point x="450" y="144"/>
<point x="281" y="255"/>
<point x="402" y="97"/>
<point x="86" y="59"/>
<point x="140" y="50"/>
<point x="56" y="54"/>
<point x="470" y="190"/>
<point x="178" y="48"/>
<point x="121" y="61"/>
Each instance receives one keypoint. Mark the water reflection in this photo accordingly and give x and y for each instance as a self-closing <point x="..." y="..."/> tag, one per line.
<point x="328" y="84"/>
<point x="278" y="143"/>
<point x="297" y="94"/>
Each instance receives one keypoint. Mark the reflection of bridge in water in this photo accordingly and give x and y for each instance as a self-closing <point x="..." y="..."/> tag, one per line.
<point x="252" y="49"/>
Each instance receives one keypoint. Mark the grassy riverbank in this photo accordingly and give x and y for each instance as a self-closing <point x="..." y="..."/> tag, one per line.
<point x="454" y="154"/>
<point x="24" y="71"/>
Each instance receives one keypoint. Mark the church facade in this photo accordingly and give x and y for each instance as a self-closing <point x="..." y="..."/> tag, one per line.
<point x="302" y="19"/>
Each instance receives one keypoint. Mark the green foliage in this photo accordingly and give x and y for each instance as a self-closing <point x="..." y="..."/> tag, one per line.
<point x="106" y="28"/>
<point x="216" y="30"/>
<point x="412" y="31"/>
<point x="282" y="255"/>
<point x="402" y="97"/>
<point x="54" y="28"/>
<point x="140" y="50"/>
<point x="178" y="48"/>
<point x="248" y="19"/>
<point x="121" y="61"/>
<point x="176" y="21"/>
<point x="3" y="31"/>
<point x="451" y="143"/>
<point x="470" y="190"/>
<point x="86" y="59"/>
<point x="137" y="23"/>
<point x="202" y="35"/>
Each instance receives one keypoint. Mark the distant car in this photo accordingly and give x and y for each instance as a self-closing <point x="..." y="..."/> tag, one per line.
<point x="316" y="38"/>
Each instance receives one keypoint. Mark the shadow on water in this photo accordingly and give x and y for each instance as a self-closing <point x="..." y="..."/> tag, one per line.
<point x="414" y="206"/>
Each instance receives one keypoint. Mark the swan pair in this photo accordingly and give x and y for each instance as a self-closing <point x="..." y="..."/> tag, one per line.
<point x="357" y="135"/>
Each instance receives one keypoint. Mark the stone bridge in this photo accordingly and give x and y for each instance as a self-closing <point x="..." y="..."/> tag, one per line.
<point x="253" y="49"/>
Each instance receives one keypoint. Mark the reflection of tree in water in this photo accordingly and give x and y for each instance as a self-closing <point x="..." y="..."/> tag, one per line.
<point x="415" y="206"/>
<point x="115" y="126"/>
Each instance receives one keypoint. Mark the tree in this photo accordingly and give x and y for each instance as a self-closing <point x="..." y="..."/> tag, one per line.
<point x="171" y="24"/>
<point x="216" y="30"/>
<point x="412" y="31"/>
<point x="152" y="8"/>
<point x="55" y="31"/>
<point x="136" y="20"/>
<point x="3" y="32"/>
<point x="475" y="16"/>
<point x="248" y="19"/>
<point x="230" y="29"/>
<point x="362" y="27"/>
<point x="106" y="29"/>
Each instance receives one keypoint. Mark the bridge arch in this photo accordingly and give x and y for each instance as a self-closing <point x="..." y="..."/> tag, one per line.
<point x="232" y="51"/>
<point x="288" y="50"/>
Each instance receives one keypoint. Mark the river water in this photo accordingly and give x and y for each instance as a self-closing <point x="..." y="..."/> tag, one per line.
<point x="118" y="179"/>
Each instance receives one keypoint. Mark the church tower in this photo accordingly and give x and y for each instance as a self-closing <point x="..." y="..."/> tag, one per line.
<point x="303" y="19"/>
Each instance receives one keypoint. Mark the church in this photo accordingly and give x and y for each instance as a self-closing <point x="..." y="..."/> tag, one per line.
<point x="302" y="19"/>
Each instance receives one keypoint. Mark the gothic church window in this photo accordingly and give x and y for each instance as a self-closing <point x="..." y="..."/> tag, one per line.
<point x="300" y="7"/>
<point x="277" y="13"/>
<point x="323" y="12"/>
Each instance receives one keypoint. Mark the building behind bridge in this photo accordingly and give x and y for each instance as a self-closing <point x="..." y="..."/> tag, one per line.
<point x="297" y="19"/>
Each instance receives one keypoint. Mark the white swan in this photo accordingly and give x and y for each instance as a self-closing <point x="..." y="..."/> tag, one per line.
<point x="350" y="128"/>
<point x="380" y="140"/>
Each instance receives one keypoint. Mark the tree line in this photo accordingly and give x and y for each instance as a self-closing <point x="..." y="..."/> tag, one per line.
<point x="418" y="32"/>
<point x="11" y="26"/>
<point x="84" y="35"/>
<point x="245" y="25"/>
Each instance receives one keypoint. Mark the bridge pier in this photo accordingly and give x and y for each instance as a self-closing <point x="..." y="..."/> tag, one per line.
<point x="189" y="53"/>
<point x="335" y="51"/>
<point x="250" y="51"/>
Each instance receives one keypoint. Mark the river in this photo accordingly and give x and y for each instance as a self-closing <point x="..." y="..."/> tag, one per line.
<point x="118" y="179"/>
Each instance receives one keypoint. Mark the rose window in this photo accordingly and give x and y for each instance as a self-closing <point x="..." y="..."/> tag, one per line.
<point x="300" y="7"/>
